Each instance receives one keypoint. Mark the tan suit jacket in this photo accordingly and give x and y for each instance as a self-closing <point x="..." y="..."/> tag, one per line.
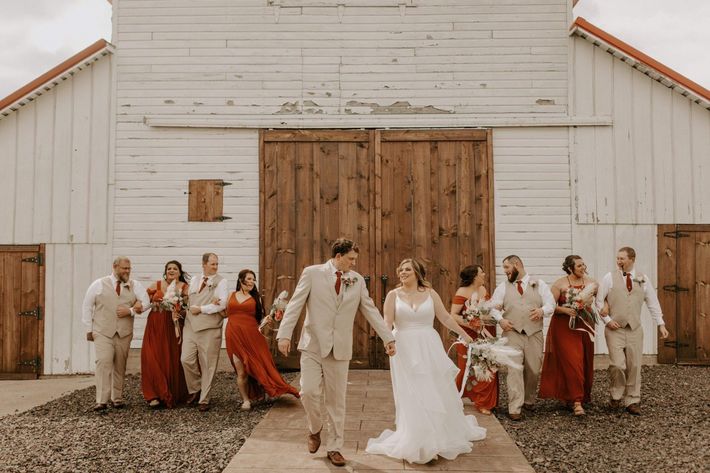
<point x="329" y="317"/>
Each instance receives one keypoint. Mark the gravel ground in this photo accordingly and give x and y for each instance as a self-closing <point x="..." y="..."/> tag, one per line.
<point x="64" y="435"/>
<point x="672" y="435"/>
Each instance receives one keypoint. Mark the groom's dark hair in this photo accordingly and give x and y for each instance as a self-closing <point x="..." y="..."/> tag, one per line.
<point x="343" y="246"/>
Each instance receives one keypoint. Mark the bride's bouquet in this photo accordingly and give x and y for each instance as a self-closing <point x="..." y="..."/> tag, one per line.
<point x="275" y="314"/>
<point x="174" y="302"/>
<point x="582" y="302"/>
<point x="484" y="357"/>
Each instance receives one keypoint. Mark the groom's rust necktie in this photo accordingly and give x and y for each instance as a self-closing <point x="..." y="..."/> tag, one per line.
<point x="338" y="281"/>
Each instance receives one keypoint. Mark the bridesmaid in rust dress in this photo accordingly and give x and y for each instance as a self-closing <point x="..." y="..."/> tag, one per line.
<point x="162" y="377"/>
<point x="568" y="366"/>
<point x="246" y="346"/>
<point x="484" y="394"/>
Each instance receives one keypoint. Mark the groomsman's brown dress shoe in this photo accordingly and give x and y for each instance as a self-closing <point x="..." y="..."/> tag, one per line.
<point x="529" y="407"/>
<point x="515" y="417"/>
<point x="193" y="398"/>
<point x="204" y="407"/>
<point x="314" y="442"/>
<point x="100" y="407"/>
<point x="118" y="404"/>
<point x="634" y="409"/>
<point x="615" y="403"/>
<point x="336" y="458"/>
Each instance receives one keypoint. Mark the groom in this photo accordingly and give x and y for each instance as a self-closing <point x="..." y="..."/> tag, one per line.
<point x="332" y="294"/>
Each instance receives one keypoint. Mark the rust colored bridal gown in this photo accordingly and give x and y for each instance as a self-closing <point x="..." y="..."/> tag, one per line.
<point x="162" y="376"/>
<point x="568" y="367"/>
<point x="244" y="341"/>
<point x="484" y="394"/>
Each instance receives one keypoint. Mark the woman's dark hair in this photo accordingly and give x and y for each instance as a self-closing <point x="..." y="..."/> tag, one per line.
<point x="254" y="293"/>
<point x="183" y="277"/>
<point x="568" y="265"/>
<point x="468" y="274"/>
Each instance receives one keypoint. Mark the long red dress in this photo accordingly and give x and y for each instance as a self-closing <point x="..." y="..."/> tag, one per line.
<point x="484" y="394"/>
<point x="162" y="376"/>
<point x="244" y="341"/>
<point x="568" y="367"/>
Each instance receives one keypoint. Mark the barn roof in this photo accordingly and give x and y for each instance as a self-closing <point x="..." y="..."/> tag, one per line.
<point x="54" y="76"/>
<point x="640" y="61"/>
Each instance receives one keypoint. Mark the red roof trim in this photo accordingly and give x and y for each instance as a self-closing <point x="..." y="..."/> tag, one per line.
<point x="641" y="57"/>
<point x="52" y="73"/>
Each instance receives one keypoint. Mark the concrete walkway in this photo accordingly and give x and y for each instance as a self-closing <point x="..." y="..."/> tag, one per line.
<point x="278" y="443"/>
<point x="20" y="396"/>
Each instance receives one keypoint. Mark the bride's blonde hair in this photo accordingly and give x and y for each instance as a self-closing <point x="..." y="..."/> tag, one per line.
<point x="419" y="271"/>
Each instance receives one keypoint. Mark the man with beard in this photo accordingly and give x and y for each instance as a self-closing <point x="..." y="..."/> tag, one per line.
<point x="108" y="310"/>
<point x="519" y="304"/>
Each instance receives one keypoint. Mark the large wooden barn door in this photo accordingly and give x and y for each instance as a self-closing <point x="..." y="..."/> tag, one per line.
<point x="684" y="293"/>
<point x="426" y="194"/>
<point x="21" y="311"/>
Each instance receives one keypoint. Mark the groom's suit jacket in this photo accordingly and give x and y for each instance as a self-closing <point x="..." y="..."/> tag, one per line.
<point x="329" y="317"/>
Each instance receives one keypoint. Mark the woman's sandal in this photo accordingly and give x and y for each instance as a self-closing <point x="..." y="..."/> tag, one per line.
<point x="578" y="409"/>
<point x="246" y="406"/>
<point x="484" y="411"/>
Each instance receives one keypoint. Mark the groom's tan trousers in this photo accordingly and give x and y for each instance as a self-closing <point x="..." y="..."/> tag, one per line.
<point x="324" y="382"/>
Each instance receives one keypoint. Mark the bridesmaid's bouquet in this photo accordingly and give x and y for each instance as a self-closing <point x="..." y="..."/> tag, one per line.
<point x="276" y="312"/>
<point x="475" y="313"/>
<point x="174" y="302"/>
<point x="582" y="302"/>
<point x="484" y="357"/>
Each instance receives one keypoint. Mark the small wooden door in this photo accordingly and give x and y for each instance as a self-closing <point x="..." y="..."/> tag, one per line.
<point x="426" y="194"/>
<point x="684" y="293"/>
<point x="21" y="311"/>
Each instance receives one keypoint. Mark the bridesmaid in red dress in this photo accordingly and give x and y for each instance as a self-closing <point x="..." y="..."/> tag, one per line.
<point x="162" y="377"/>
<point x="484" y="394"/>
<point x="246" y="346"/>
<point x="568" y="366"/>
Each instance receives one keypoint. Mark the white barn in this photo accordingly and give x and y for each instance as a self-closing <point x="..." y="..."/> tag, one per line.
<point x="458" y="131"/>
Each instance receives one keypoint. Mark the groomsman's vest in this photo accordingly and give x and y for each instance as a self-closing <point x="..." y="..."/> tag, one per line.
<point x="105" y="321"/>
<point x="517" y="308"/>
<point x="624" y="306"/>
<point x="205" y="297"/>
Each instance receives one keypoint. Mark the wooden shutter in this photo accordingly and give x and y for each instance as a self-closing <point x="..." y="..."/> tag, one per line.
<point x="206" y="200"/>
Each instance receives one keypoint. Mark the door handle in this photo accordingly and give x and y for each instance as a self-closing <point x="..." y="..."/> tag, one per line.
<point x="367" y="282"/>
<point x="384" y="279"/>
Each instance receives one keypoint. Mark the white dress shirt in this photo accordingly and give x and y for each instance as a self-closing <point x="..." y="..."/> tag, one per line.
<point x="650" y="297"/>
<point x="87" y="307"/>
<point x="221" y="292"/>
<point x="548" y="300"/>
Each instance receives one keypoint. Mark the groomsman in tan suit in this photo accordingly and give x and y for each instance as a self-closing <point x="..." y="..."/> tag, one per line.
<point x="524" y="301"/>
<point x="202" y="336"/>
<point x="626" y="290"/>
<point x="109" y="306"/>
<point x="332" y="294"/>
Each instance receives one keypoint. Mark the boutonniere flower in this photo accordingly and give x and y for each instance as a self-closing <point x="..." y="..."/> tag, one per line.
<point x="640" y="279"/>
<point x="349" y="281"/>
<point x="533" y="284"/>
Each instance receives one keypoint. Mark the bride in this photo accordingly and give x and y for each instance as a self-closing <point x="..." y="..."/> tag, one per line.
<point x="429" y="419"/>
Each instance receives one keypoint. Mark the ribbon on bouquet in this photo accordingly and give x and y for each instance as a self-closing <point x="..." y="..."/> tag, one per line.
<point x="467" y="368"/>
<point x="589" y="321"/>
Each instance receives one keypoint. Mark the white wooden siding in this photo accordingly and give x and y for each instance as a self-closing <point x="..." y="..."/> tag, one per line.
<point x="651" y="166"/>
<point x="299" y="58"/>
<point x="54" y="161"/>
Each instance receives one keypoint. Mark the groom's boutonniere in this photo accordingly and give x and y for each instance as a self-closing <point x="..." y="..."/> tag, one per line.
<point x="349" y="281"/>
<point x="640" y="279"/>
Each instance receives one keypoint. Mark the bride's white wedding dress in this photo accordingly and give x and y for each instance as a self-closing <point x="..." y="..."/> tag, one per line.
<point x="429" y="418"/>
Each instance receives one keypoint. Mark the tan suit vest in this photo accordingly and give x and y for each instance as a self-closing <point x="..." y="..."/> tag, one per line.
<point x="105" y="320"/>
<point x="205" y="321"/>
<point x="517" y="308"/>
<point x="624" y="306"/>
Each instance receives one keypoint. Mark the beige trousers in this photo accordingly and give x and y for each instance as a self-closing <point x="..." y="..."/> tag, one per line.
<point x="522" y="384"/>
<point x="199" y="358"/>
<point x="111" y="356"/>
<point x="324" y="382"/>
<point x="625" y="349"/>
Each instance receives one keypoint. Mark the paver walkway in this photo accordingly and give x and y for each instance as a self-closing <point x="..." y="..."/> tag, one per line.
<point x="278" y="443"/>
<point x="19" y="396"/>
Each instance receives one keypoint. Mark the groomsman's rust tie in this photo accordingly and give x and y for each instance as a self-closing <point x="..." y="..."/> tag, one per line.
<point x="520" y="287"/>
<point x="629" y="286"/>
<point x="338" y="281"/>
<point x="118" y="288"/>
<point x="204" y="283"/>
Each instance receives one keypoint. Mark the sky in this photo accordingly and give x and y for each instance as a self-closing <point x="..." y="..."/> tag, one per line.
<point x="36" y="35"/>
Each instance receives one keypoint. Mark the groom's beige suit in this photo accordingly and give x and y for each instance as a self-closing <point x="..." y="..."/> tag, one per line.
<point x="327" y="340"/>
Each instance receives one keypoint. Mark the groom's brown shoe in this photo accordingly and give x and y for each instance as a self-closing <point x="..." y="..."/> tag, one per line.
<point x="336" y="458"/>
<point x="314" y="442"/>
<point x="634" y="409"/>
<point x="615" y="403"/>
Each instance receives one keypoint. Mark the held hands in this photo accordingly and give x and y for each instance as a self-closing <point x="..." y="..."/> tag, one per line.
<point x="536" y="314"/>
<point x="391" y="349"/>
<point x="467" y="338"/>
<point x="664" y="332"/>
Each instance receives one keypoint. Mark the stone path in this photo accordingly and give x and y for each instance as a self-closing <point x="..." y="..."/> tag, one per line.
<point x="278" y="443"/>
